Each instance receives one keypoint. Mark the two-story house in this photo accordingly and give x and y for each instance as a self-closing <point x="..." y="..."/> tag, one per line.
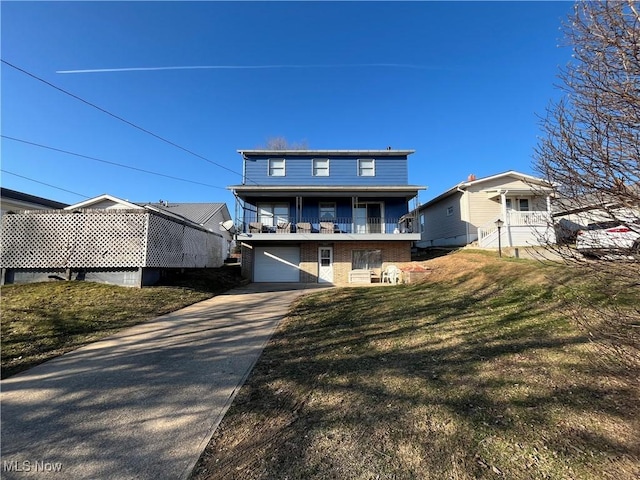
<point x="327" y="216"/>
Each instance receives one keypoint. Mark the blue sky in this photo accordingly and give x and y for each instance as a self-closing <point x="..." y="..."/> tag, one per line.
<point x="462" y="83"/>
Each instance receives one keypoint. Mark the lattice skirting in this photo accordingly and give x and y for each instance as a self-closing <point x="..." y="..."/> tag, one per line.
<point x="105" y="239"/>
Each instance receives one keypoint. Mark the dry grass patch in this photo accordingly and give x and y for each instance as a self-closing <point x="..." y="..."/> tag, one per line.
<point x="43" y="320"/>
<point x="474" y="374"/>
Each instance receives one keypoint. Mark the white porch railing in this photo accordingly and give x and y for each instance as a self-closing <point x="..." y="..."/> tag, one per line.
<point x="531" y="222"/>
<point x="527" y="218"/>
<point x="484" y="233"/>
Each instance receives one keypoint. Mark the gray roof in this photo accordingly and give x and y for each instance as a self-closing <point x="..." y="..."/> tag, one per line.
<point x="351" y="153"/>
<point x="25" y="197"/>
<point x="544" y="184"/>
<point x="329" y="190"/>
<point x="200" y="213"/>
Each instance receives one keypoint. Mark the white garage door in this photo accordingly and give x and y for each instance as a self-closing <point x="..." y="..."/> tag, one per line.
<point x="276" y="264"/>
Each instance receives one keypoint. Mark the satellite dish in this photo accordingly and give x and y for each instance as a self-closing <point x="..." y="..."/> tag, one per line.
<point x="228" y="227"/>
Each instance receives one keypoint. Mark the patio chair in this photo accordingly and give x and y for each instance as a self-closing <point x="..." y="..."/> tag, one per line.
<point x="391" y="274"/>
<point x="255" y="227"/>
<point x="326" y="227"/>
<point x="283" y="227"/>
<point x="303" y="227"/>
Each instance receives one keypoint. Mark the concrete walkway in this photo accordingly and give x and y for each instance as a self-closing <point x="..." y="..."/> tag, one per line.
<point x="144" y="403"/>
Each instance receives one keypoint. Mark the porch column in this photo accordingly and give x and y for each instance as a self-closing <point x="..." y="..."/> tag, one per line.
<point x="503" y="200"/>
<point x="505" y="215"/>
<point x="354" y="202"/>
<point x="298" y="209"/>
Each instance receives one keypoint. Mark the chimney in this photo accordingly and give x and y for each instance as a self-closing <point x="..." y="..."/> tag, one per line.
<point x="471" y="177"/>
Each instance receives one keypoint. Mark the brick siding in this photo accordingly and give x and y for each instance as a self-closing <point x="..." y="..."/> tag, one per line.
<point x="392" y="252"/>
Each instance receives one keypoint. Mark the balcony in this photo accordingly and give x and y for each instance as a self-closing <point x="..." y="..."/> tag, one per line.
<point x="335" y="229"/>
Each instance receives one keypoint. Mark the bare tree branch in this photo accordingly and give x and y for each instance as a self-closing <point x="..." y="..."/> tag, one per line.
<point x="281" y="143"/>
<point x="590" y="149"/>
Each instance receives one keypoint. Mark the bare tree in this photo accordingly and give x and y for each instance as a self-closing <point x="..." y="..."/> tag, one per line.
<point x="591" y="150"/>
<point x="281" y="143"/>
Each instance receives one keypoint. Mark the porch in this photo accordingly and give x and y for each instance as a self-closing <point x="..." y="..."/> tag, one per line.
<point x="363" y="228"/>
<point x="518" y="229"/>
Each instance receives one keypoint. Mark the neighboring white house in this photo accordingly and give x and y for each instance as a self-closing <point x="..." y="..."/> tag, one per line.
<point x="468" y="212"/>
<point x="106" y="239"/>
<point x="11" y="200"/>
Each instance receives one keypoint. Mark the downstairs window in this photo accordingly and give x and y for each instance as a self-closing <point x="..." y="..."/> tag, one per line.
<point x="366" y="259"/>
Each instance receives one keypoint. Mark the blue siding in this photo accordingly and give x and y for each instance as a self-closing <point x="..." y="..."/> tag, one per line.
<point x="342" y="171"/>
<point x="344" y="221"/>
<point x="393" y="207"/>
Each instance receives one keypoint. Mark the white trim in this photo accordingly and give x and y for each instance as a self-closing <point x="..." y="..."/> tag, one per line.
<point x="102" y="198"/>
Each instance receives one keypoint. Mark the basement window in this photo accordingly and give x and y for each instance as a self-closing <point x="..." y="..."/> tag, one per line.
<point x="366" y="259"/>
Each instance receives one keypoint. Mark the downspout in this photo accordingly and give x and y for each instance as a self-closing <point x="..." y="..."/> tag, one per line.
<point x="244" y="169"/>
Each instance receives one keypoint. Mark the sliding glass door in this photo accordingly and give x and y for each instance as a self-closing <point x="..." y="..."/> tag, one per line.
<point x="367" y="217"/>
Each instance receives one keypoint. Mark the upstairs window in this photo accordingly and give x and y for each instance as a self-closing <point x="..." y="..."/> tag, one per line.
<point x="366" y="167"/>
<point x="524" y="204"/>
<point x="327" y="211"/>
<point x="320" y="167"/>
<point x="449" y="211"/>
<point x="276" y="167"/>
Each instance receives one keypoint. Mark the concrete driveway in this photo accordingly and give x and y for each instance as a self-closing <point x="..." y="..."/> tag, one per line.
<point x="144" y="403"/>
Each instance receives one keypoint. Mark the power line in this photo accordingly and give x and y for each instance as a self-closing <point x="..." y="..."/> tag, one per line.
<point x="119" y="118"/>
<point x="109" y="162"/>
<point x="42" y="183"/>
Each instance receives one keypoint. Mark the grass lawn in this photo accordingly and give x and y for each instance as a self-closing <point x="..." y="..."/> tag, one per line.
<point x="473" y="374"/>
<point x="44" y="320"/>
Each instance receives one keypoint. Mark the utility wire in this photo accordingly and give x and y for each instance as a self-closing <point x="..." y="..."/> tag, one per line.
<point x="120" y="118"/>
<point x="109" y="162"/>
<point x="42" y="183"/>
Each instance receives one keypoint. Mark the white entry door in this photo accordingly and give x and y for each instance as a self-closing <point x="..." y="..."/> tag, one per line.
<point x="325" y="265"/>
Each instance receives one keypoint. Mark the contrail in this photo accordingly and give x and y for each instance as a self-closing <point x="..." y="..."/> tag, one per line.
<point x="242" y="67"/>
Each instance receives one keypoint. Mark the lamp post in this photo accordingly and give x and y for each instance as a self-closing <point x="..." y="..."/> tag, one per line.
<point x="499" y="224"/>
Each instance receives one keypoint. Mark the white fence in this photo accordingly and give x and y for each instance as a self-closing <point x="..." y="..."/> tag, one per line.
<point x="106" y="239"/>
